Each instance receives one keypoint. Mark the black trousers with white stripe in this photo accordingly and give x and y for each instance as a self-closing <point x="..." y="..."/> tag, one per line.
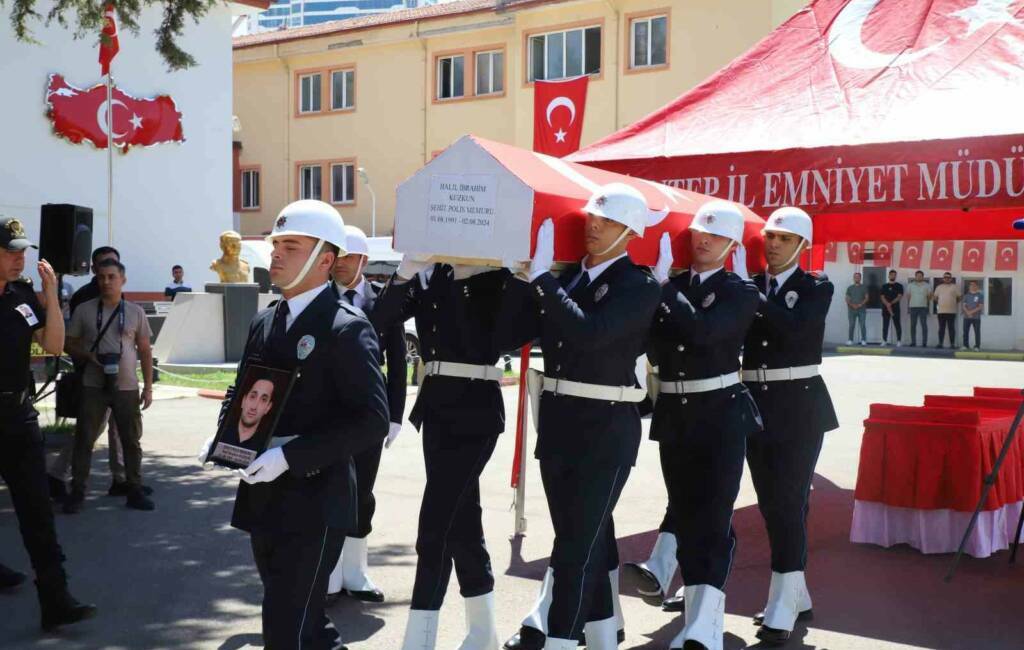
<point x="581" y="499"/>
<point x="294" y="569"/>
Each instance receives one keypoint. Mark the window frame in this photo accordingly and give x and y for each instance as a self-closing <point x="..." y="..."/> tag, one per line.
<point x="301" y="75"/>
<point x="350" y="162"/>
<point x="504" y="65"/>
<point x="583" y="26"/>
<point x="469" y="86"/>
<point x="242" y="171"/>
<point x="351" y="69"/>
<point x="649" y="16"/>
<point x="986" y="291"/>
<point x="308" y="164"/>
<point x="438" y="59"/>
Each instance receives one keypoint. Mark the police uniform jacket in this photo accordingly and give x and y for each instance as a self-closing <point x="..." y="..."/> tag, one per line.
<point x="697" y="333"/>
<point x="594" y="337"/>
<point x="455" y="321"/>
<point x="788" y="332"/>
<point x="337" y="407"/>
<point x="391" y="340"/>
<point x="21" y="314"/>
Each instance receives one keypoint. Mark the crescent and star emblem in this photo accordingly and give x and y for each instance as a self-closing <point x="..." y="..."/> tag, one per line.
<point x="101" y="118"/>
<point x="943" y="252"/>
<point x="1006" y="253"/>
<point x="555" y="103"/>
<point x="913" y="251"/>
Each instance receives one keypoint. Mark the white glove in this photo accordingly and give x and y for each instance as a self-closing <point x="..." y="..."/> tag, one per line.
<point x="394" y="429"/>
<point x="739" y="262"/>
<point x="204" y="451"/>
<point x="408" y="268"/>
<point x="266" y="468"/>
<point x="664" y="264"/>
<point x="544" y="253"/>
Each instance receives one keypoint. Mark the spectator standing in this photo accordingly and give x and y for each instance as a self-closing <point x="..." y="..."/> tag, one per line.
<point x="946" y="297"/>
<point x="920" y="296"/>
<point x="110" y="335"/>
<point x="892" y="295"/>
<point x="178" y="285"/>
<point x="856" y="304"/>
<point x="974" y="304"/>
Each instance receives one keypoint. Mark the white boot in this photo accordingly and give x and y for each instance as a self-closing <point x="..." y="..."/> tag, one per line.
<point x="620" y="621"/>
<point x="336" y="582"/>
<point x="662" y="564"/>
<point x="705" y="618"/>
<point x="560" y="644"/>
<point x="481" y="626"/>
<point x="787" y="597"/>
<point x="421" y="630"/>
<point x="538" y="616"/>
<point x="355" y="567"/>
<point x="602" y="635"/>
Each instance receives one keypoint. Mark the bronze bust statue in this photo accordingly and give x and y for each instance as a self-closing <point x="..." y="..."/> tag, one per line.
<point x="229" y="267"/>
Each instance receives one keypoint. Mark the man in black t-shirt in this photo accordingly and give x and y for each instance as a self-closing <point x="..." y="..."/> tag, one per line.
<point x="178" y="286"/>
<point x="891" y="294"/>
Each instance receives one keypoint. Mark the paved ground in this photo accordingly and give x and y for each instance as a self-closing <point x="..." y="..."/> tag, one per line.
<point x="181" y="578"/>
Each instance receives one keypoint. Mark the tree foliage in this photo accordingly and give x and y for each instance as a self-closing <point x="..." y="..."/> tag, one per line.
<point x="85" y="19"/>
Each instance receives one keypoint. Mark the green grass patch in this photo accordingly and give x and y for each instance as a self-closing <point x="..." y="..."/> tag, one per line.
<point x="62" y="428"/>
<point x="219" y="380"/>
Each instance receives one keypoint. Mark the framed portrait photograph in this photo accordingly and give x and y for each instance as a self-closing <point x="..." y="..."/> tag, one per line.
<point x="252" y="417"/>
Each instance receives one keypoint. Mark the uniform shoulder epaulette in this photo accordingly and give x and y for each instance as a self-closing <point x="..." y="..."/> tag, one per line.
<point x="351" y="309"/>
<point x="818" y="276"/>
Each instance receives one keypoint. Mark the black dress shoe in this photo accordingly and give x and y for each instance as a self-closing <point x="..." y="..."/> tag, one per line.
<point x="58" y="490"/>
<point x="805" y="615"/>
<point x="675" y="604"/>
<point x="694" y="645"/>
<point x="9" y="578"/>
<point x="137" y="500"/>
<point x="647" y="580"/>
<point x="74" y="503"/>
<point x="771" y="637"/>
<point x="121" y="489"/>
<point x="370" y="596"/>
<point x="57" y="605"/>
<point x="527" y="638"/>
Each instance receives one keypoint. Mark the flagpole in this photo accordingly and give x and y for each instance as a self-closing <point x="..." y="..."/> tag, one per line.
<point x="110" y="164"/>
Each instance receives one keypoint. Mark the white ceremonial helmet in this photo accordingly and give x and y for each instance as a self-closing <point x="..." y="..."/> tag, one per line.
<point x="620" y="203"/>
<point x="793" y="221"/>
<point x="310" y="218"/>
<point x="356" y="242"/>
<point x="718" y="217"/>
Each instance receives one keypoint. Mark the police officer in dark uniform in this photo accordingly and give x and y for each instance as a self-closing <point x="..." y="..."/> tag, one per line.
<point x="780" y="365"/>
<point x="593" y="324"/>
<point x="23" y="319"/>
<point x="460" y="412"/>
<point x="297" y="500"/>
<point x="350" y="575"/>
<point x="702" y="414"/>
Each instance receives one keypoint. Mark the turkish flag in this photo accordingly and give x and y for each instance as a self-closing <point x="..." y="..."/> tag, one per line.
<point x="855" y="252"/>
<point x="942" y="255"/>
<point x="81" y="115"/>
<point x="109" y="45"/>
<point x="558" y="115"/>
<point x="1006" y="256"/>
<point x="883" y="252"/>
<point x="910" y="255"/>
<point x="974" y="257"/>
<point x="831" y="252"/>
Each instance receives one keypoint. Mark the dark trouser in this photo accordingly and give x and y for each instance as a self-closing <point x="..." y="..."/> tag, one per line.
<point x="702" y="473"/>
<point x="450" y="530"/>
<point x="367" y="462"/>
<point x="919" y="314"/>
<point x="294" y="568"/>
<point x="581" y="500"/>
<point x="668" y="522"/>
<point x="976" y="324"/>
<point x="854" y="316"/>
<point x="895" y="317"/>
<point x="124" y="407"/>
<point x="782" y="466"/>
<point x="23" y="469"/>
<point x="947" y="321"/>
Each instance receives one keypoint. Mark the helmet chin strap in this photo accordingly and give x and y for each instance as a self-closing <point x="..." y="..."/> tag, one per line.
<point x="728" y="249"/>
<point x="305" y="269"/>
<point x="359" y="273"/>
<point x="618" y="240"/>
<point x="796" y="253"/>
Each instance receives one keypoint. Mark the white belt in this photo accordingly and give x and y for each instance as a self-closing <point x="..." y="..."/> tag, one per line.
<point x="278" y="441"/>
<point x="762" y="375"/>
<point x="462" y="370"/>
<point x="593" y="391"/>
<point x="699" y="385"/>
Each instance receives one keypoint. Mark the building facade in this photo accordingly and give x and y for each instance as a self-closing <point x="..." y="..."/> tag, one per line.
<point x="385" y="93"/>
<point x="299" y="13"/>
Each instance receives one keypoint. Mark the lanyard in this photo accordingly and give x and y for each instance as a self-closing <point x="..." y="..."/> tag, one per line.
<point x="120" y="324"/>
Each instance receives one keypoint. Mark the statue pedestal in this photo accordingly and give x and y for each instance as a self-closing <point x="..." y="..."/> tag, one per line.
<point x="240" y="304"/>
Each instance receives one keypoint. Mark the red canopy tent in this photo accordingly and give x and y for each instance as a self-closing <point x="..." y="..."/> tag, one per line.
<point x="885" y="119"/>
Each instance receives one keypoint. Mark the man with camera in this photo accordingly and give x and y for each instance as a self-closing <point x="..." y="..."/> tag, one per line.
<point x="109" y="335"/>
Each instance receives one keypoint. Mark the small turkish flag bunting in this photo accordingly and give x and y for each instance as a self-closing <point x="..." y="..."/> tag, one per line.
<point x="883" y="253"/>
<point x="109" y="45"/>
<point x="974" y="257"/>
<point x="855" y="252"/>
<point x="942" y="255"/>
<point x="1006" y="256"/>
<point x="910" y="255"/>
<point x="558" y="115"/>
<point x="831" y="252"/>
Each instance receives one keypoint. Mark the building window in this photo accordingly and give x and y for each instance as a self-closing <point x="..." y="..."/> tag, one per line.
<point x="343" y="89"/>
<point x="310" y="186"/>
<point x="451" y="77"/>
<point x="250" y="189"/>
<point x="490" y="72"/>
<point x="309" y="93"/>
<point x="343" y="183"/>
<point x="649" y="39"/>
<point x="1000" y="297"/>
<point x="559" y="55"/>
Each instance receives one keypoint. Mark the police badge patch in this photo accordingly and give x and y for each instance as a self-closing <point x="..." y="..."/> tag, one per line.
<point x="305" y="347"/>
<point x="708" y="300"/>
<point x="791" y="298"/>
<point x="601" y="292"/>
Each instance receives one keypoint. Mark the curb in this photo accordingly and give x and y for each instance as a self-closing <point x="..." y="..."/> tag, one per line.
<point x="858" y="349"/>
<point x="991" y="356"/>
<point x="211" y="394"/>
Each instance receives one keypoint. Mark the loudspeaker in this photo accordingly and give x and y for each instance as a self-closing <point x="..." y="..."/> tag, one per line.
<point x="65" y="237"/>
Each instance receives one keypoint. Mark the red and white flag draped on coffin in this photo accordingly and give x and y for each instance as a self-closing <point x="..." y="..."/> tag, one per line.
<point x="483" y="201"/>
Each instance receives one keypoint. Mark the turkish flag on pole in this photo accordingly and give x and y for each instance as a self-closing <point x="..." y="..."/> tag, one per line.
<point x="910" y="256"/>
<point x="831" y="252"/>
<point x="942" y="255"/>
<point x="974" y="257"/>
<point x="81" y="115"/>
<point x="855" y="252"/>
<point x="108" y="39"/>
<point x="883" y="253"/>
<point x="558" y="115"/>
<point x="1006" y="256"/>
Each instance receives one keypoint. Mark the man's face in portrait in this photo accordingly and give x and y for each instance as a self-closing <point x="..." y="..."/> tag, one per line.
<point x="257" y="403"/>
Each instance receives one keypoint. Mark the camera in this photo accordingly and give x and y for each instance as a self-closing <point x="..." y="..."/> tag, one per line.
<point x="111" y="363"/>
